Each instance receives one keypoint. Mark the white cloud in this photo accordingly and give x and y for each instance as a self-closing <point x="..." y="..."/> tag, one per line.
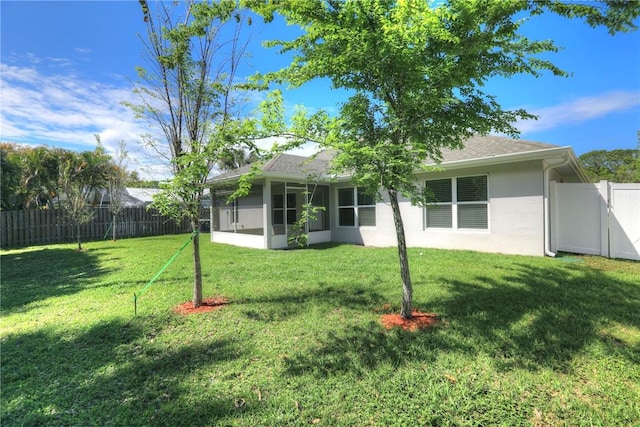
<point x="62" y="110"/>
<point x="580" y="110"/>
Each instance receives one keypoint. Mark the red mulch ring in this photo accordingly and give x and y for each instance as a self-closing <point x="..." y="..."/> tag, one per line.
<point x="419" y="320"/>
<point x="208" y="304"/>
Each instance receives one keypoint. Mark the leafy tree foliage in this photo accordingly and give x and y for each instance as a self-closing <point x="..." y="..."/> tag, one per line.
<point x="417" y="71"/>
<point x="30" y="176"/>
<point x="10" y="175"/>
<point x="35" y="177"/>
<point x="132" y="179"/>
<point x="234" y="157"/>
<point x="613" y="165"/>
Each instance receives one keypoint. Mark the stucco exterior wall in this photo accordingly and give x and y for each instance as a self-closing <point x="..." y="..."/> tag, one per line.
<point x="515" y="216"/>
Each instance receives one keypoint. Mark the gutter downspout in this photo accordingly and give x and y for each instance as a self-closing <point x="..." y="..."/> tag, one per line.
<point x="547" y="206"/>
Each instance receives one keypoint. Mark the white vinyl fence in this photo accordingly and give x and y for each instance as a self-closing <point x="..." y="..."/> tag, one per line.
<point x="598" y="219"/>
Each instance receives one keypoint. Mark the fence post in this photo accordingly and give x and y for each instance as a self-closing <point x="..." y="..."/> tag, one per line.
<point x="603" y="188"/>
<point x="3" y="230"/>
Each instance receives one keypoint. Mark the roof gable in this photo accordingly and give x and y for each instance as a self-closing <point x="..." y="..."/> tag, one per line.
<point x="286" y="165"/>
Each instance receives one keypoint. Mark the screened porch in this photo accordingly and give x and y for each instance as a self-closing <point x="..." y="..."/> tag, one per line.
<point x="275" y="214"/>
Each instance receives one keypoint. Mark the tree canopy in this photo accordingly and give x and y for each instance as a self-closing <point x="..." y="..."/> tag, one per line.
<point x="613" y="165"/>
<point x="34" y="177"/>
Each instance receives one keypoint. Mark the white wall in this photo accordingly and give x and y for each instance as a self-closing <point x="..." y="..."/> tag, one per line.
<point x="238" y="239"/>
<point x="516" y="216"/>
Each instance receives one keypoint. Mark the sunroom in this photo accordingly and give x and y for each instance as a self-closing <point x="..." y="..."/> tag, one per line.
<point x="282" y="210"/>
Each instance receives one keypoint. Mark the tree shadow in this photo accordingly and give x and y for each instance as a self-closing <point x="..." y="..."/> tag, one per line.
<point x="40" y="274"/>
<point x="281" y="306"/>
<point x="358" y="349"/>
<point x="110" y="374"/>
<point x="527" y="317"/>
<point x="532" y="317"/>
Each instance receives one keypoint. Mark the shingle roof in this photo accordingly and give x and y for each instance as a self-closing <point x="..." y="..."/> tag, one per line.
<point x="286" y="164"/>
<point x="477" y="147"/>
<point x="482" y="147"/>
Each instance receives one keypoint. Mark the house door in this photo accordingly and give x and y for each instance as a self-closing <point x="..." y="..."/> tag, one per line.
<point x="295" y="201"/>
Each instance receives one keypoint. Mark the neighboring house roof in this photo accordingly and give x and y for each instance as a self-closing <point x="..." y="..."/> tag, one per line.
<point x="131" y="197"/>
<point x="478" y="150"/>
<point x="143" y="195"/>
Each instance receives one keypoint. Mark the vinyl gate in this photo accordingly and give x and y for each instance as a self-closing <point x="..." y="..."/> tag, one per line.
<point x="598" y="219"/>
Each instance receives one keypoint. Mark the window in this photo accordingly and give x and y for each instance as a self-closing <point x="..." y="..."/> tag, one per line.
<point x="440" y="199"/>
<point x="458" y="203"/>
<point x="356" y="207"/>
<point x="472" y="202"/>
<point x="279" y="209"/>
<point x="291" y="208"/>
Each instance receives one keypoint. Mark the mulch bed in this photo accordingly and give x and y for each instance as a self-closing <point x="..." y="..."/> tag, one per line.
<point x="418" y="321"/>
<point x="208" y="304"/>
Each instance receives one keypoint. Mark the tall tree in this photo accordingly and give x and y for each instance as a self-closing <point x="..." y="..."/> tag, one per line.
<point x="10" y="175"/>
<point x="189" y="91"/>
<point x="234" y="157"/>
<point x="613" y="165"/>
<point x="40" y="176"/>
<point x="416" y="69"/>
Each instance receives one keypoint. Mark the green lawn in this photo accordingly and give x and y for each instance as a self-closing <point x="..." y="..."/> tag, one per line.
<point x="523" y="341"/>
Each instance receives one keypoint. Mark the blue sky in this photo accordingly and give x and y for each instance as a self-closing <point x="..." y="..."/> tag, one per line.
<point x="66" y="67"/>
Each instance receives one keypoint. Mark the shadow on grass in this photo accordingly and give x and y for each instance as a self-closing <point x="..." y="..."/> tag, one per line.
<point x="112" y="373"/>
<point x="44" y="273"/>
<point x="543" y="317"/>
<point x="526" y="317"/>
<point x="359" y="349"/>
<point x="278" y="307"/>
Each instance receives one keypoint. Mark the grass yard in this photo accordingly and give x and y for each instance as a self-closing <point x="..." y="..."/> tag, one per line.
<point x="523" y="341"/>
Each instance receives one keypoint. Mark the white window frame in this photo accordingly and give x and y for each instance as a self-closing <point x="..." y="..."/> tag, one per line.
<point x="356" y="207"/>
<point x="454" y="203"/>
<point x="279" y="209"/>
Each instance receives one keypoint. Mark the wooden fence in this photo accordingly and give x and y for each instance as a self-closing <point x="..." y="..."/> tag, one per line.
<point x="32" y="227"/>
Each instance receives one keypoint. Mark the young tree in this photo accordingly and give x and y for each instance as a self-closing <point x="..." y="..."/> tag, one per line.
<point x="190" y="93"/>
<point x="79" y="175"/>
<point x="416" y="69"/>
<point x="117" y="177"/>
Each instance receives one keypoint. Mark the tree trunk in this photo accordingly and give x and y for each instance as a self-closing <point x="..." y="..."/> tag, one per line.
<point x="197" y="267"/>
<point x="406" y="309"/>
<point x="78" y="236"/>
<point x="114" y="229"/>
